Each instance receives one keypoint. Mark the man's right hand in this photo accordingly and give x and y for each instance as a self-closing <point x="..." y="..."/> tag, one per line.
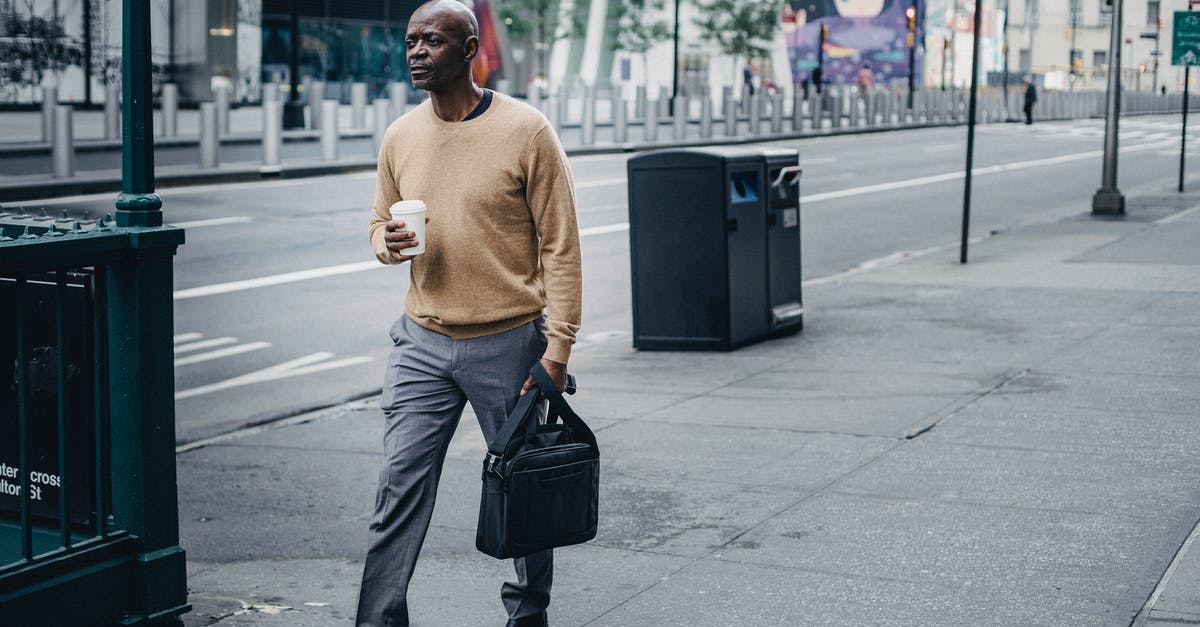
<point x="397" y="237"/>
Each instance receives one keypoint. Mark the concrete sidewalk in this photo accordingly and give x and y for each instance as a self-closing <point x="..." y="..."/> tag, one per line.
<point x="1009" y="442"/>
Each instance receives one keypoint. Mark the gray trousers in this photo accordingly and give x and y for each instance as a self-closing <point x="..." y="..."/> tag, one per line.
<point x="429" y="379"/>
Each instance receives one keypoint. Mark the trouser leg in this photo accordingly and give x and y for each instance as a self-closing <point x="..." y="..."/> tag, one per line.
<point x="493" y="369"/>
<point x="422" y="405"/>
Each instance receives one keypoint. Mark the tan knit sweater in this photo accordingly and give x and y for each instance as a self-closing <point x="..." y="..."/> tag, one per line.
<point x="502" y="243"/>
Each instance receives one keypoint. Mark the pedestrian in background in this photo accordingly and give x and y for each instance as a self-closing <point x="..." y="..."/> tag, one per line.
<point x="1030" y="99"/>
<point x="502" y="247"/>
<point x="866" y="79"/>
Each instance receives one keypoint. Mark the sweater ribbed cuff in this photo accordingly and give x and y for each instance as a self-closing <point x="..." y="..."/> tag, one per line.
<point x="558" y="350"/>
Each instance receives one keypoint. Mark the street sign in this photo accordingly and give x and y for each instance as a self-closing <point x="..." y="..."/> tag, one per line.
<point x="1185" y="45"/>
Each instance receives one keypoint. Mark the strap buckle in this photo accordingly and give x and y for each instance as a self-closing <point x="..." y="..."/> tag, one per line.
<point x="490" y="464"/>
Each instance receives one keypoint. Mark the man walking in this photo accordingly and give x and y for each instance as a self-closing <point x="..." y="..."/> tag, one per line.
<point x="1030" y="99"/>
<point x="502" y="247"/>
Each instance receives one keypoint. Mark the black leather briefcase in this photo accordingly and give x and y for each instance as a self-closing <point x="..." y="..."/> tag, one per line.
<point x="541" y="482"/>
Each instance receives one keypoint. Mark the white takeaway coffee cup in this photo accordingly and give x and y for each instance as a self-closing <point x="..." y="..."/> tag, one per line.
<point x="413" y="214"/>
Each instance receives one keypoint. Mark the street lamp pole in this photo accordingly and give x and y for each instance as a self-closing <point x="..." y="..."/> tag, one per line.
<point x="137" y="205"/>
<point x="1108" y="200"/>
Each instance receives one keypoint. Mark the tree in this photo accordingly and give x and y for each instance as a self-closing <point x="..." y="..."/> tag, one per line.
<point x="636" y="33"/>
<point x="33" y="46"/>
<point x="740" y="28"/>
<point x="534" y="21"/>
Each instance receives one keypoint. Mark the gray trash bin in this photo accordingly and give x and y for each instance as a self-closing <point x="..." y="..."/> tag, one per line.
<point x="698" y="240"/>
<point x="783" y="240"/>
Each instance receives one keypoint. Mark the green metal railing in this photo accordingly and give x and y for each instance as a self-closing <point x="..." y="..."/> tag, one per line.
<point x="88" y="511"/>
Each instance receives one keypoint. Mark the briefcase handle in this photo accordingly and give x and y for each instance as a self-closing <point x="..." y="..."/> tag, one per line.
<point x="559" y="406"/>
<point x="524" y="410"/>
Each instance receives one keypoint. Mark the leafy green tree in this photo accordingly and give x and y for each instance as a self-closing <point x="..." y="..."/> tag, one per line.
<point x="636" y="32"/>
<point x="740" y="28"/>
<point x="536" y="23"/>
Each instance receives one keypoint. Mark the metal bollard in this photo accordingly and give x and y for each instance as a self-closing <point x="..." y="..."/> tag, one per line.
<point x="358" y="106"/>
<point x="664" y="102"/>
<point x="706" y="116"/>
<point x="617" y="94"/>
<point x="797" y="110"/>
<point x="588" y="123"/>
<point x="222" y="97"/>
<point x="329" y="130"/>
<point x="170" y="110"/>
<point x="272" y="114"/>
<point x="112" y="112"/>
<point x="209" y="144"/>
<point x="316" y="96"/>
<point x="399" y="99"/>
<point x="63" y="149"/>
<point x="49" y="101"/>
<point x="383" y="119"/>
<point x="727" y="105"/>
<point x="753" y="104"/>
<point x="639" y="106"/>
<point x="855" y="99"/>
<point x="680" y="119"/>
<point x="816" y="112"/>
<point x="621" y="121"/>
<point x="560" y="106"/>
<point x="835" y="108"/>
<point x="777" y="112"/>
<point x="651" y="122"/>
<point x="270" y="91"/>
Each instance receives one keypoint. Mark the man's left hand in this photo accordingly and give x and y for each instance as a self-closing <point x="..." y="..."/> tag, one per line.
<point x="557" y="372"/>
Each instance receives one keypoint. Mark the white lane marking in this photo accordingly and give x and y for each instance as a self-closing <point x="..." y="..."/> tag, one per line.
<point x="224" y="352"/>
<point x="316" y="273"/>
<point x="944" y="147"/>
<point x="951" y="176"/>
<point x="197" y="346"/>
<point x="277" y="279"/>
<point x="600" y="183"/>
<point x="195" y="224"/>
<point x="304" y="365"/>
<point x="601" y="230"/>
<point x="1177" y="216"/>
<point x="187" y="337"/>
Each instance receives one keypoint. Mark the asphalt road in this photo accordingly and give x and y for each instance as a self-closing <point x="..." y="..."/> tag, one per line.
<point x="280" y="305"/>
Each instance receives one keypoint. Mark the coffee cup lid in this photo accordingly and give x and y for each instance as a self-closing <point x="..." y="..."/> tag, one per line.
<point x="408" y="206"/>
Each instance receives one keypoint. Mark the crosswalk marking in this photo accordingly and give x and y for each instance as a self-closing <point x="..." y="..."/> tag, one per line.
<point x="197" y="346"/>
<point x="224" y="352"/>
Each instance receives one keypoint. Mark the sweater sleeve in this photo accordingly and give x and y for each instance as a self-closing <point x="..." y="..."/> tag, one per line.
<point x="386" y="195"/>
<point x="550" y="193"/>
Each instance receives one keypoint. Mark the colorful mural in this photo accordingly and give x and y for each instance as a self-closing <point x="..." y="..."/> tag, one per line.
<point x="859" y="31"/>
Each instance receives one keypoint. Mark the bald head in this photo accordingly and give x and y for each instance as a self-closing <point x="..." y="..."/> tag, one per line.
<point x="457" y="14"/>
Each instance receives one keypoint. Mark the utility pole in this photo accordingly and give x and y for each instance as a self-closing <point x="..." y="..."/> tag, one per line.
<point x="1109" y="200"/>
<point x="1157" y="51"/>
<point x="973" y="103"/>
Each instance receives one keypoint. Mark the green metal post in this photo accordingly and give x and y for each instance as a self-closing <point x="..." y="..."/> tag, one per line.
<point x="141" y="380"/>
<point x="137" y="205"/>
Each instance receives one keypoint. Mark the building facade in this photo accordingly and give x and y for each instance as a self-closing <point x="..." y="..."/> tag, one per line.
<point x="1043" y="33"/>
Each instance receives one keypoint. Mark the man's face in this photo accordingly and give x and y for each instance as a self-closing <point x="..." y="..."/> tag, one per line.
<point x="436" y="54"/>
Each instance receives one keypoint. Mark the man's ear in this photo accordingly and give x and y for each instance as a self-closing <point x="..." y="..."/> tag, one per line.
<point x="471" y="46"/>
